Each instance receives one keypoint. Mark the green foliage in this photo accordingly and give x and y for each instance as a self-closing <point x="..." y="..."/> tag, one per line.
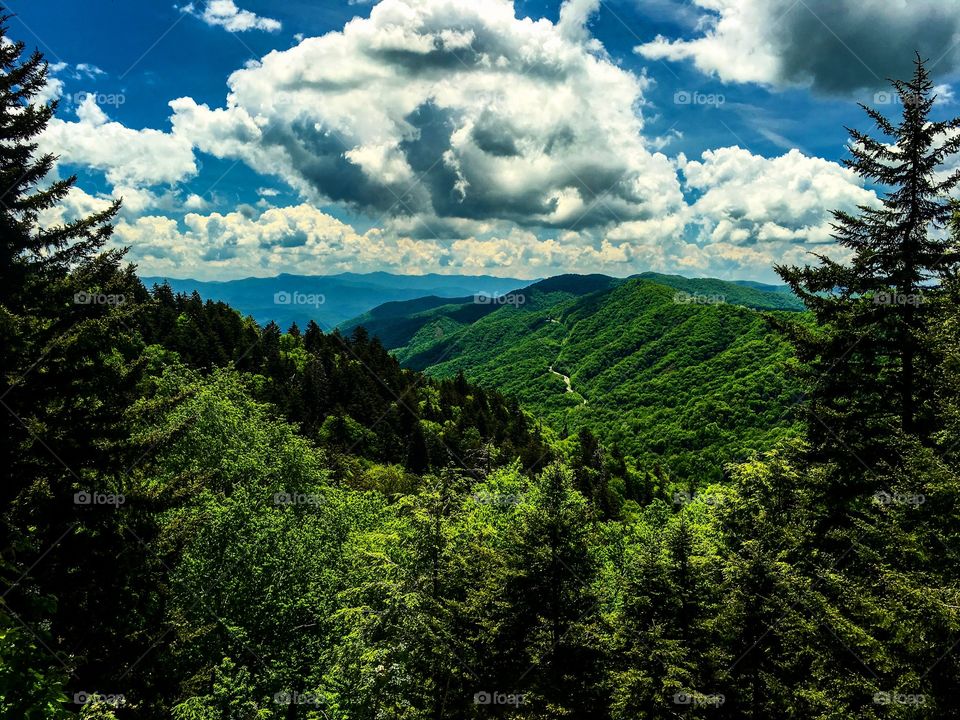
<point x="31" y="685"/>
<point x="669" y="380"/>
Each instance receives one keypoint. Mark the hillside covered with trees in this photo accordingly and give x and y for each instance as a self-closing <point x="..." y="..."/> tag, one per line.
<point x="681" y="375"/>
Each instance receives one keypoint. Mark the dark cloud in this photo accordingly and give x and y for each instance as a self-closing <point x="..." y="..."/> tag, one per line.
<point x="831" y="46"/>
<point x="840" y="47"/>
<point x="446" y="110"/>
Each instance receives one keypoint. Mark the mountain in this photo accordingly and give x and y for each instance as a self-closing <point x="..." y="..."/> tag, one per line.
<point x="331" y="299"/>
<point x="684" y="374"/>
<point x="397" y="323"/>
<point x="747" y="293"/>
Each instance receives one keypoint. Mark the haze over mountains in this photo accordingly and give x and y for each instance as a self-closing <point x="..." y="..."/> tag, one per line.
<point x="331" y="299"/>
<point x="346" y="298"/>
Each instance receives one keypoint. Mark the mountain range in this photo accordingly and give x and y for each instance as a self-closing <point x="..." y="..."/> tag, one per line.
<point x="331" y="299"/>
<point x="681" y="373"/>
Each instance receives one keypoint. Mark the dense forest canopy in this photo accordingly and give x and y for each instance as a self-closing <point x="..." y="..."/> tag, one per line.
<point x="683" y="376"/>
<point x="205" y="518"/>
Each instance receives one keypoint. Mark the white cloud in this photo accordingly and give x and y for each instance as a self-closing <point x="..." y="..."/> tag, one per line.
<point x="128" y="157"/>
<point x="303" y="239"/>
<point x="449" y="108"/>
<point x="574" y="15"/>
<point x="53" y="90"/>
<point x="472" y="141"/>
<point x="76" y="204"/>
<point x="749" y="213"/>
<point x="88" y="71"/>
<point x="752" y="212"/>
<point x="944" y="94"/>
<point x="745" y="199"/>
<point x="833" y="47"/>
<point x="226" y="14"/>
<point x="195" y="202"/>
<point x="292" y="239"/>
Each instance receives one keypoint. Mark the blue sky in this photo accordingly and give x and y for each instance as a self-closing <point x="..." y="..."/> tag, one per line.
<point x="525" y="139"/>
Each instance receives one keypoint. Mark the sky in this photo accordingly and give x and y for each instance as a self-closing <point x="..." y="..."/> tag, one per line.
<point x="518" y="139"/>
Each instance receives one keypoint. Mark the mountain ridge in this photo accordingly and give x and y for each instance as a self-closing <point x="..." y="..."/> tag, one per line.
<point x="675" y="356"/>
<point x="329" y="299"/>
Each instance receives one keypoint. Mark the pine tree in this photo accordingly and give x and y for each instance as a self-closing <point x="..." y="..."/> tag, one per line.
<point x="872" y="314"/>
<point x="67" y="375"/>
<point x="549" y="601"/>
<point x="34" y="261"/>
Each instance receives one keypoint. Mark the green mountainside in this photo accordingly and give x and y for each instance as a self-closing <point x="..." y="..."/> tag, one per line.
<point x="748" y="293"/>
<point x="328" y="299"/>
<point x="681" y="373"/>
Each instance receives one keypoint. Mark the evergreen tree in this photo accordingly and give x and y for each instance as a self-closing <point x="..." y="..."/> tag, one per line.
<point x="872" y="314"/>
<point x="64" y="305"/>
<point x="549" y="600"/>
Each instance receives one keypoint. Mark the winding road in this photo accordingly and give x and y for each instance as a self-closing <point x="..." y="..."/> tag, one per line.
<point x="566" y="380"/>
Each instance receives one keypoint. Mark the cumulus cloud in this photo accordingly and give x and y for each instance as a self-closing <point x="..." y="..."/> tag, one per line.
<point x="226" y="14"/>
<point x="53" y="89"/>
<point x="127" y="157"/>
<point x="747" y="214"/>
<point x="745" y="199"/>
<point x="829" y="46"/>
<point x="79" y="203"/>
<point x="300" y="238"/>
<point x="449" y="108"/>
<point x="470" y="141"/>
<point x="574" y="15"/>
<point x="304" y="239"/>
<point x="76" y="204"/>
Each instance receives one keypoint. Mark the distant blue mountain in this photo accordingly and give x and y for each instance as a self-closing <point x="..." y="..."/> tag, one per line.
<point x="332" y="299"/>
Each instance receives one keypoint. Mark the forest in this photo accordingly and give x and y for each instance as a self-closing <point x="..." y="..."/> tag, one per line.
<point x="686" y="386"/>
<point x="204" y="518"/>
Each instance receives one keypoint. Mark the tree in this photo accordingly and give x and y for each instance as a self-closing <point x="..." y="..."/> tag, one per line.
<point x="872" y="314"/>
<point x="549" y="599"/>
<point x="67" y="373"/>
